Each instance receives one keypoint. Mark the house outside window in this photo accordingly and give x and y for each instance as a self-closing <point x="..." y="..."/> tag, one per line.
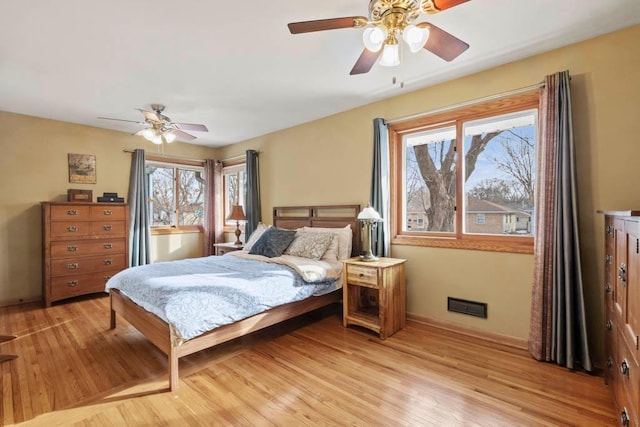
<point x="176" y="197"/>
<point x="468" y="176"/>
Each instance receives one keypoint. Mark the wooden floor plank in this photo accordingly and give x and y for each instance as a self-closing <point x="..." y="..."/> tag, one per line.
<point x="73" y="370"/>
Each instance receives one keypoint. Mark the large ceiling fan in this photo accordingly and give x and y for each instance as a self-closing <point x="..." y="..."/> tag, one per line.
<point x="388" y="22"/>
<point x="159" y="128"/>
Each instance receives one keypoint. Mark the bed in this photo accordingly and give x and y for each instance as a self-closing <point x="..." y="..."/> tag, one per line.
<point x="174" y="345"/>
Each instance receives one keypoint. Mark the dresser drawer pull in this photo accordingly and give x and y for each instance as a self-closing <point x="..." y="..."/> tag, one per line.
<point x="609" y="363"/>
<point x="108" y="246"/>
<point x="72" y="266"/>
<point x="622" y="272"/>
<point x="607" y="259"/>
<point x="72" y="283"/>
<point x="107" y="262"/>
<point x="107" y="212"/>
<point x="361" y="275"/>
<point x="72" y="212"/>
<point x="72" y="229"/>
<point x="72" y="248"/>
<point x="624" y="368"/>
<point x="624" y="417"/>
<point x="607" y="288"/>
<point x="107" y="277"/>
<point x="609" y="229"/>
<point x="107" y="227"/>
<point x="609" y="325"/>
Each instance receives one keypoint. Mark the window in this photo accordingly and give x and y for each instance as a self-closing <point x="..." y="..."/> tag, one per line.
<point x="464" y="178"/>
<point x="235" y="188"/>
<point x="176" y="196"/>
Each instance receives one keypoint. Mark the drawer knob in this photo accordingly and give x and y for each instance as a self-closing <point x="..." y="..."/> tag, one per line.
<point x="361" y="274"/>
<point x="107" y="246"/>
<point x="107" y="227"/>
<point x="607" y="259"/>
<point x="607" y="288"/>
<point x="107" y="278"/>
<point x="106" y="212"/>
<point x="609" y="363"/>
<point x="72" y="248"/>
<point x="107" y="262"/>
<point x="72" y="283"/>
<point x="622" y="272"/>
<point x="72" y="229"/>
<point x="624" y="368"/>
<point x="609" y="325"/>
<point x="72" y="266"/>
<point x="624" y="417"/>
<point x="72" y="212"/>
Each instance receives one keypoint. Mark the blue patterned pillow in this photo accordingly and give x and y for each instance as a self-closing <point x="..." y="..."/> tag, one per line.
<point x="273" y="242"/>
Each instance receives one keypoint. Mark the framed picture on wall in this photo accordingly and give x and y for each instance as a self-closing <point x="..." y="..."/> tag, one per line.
<point x="82" y="169"/>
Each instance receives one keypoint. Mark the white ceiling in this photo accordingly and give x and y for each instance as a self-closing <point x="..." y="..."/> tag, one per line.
<point x="235" y="67"/>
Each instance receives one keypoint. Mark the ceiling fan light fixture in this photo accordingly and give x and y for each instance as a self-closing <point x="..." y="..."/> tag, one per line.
<point x="390" y="55"/>
<point x="170" y="137"/>
<point x="157" y="139"/>
<point x="148" y="134"/>
<point x="415" y="37"/>
<point x="374" y="37"/>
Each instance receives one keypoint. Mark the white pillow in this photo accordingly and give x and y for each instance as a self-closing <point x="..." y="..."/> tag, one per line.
<point x="257" y="233"/>
<point x="344" y="236"/>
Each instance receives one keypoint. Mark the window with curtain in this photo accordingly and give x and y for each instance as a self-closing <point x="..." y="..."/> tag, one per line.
<point x="176" y="197"/>
<point x="235" y="189"/>
<point x="464" y="178"/>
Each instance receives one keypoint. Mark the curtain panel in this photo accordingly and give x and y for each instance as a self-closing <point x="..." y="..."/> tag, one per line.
<point x="379" y="199"/>
<point x="139" y="217"/>
<point x="558" y="321"/>
<point x="213" y="223"/>
<point x="252" y="197"/>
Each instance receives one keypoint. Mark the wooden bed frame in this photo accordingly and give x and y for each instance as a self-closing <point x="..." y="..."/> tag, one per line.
<point x="163" y="336"/>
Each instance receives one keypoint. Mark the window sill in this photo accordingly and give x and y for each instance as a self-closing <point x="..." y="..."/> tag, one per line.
<point x="519" y="245"/>
<point x="158" y="231"/>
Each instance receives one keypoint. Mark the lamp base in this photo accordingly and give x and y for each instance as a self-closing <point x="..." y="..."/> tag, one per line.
<point x="238" y="233"/>
<point x="369" y="257"/>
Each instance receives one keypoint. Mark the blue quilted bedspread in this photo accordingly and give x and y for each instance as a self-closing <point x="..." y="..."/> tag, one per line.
<point x="197" y="295"/>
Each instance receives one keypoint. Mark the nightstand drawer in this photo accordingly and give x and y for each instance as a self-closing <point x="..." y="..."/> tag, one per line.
<point x="362" y="275"/>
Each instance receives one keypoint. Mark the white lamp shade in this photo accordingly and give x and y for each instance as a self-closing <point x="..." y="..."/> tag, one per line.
<point x="390" y="56"/>
<point x="415" y="37"/>
<point x="170" y="137"/>
<point x="370" y="214"/>
<point x="373" y="38"/>
<point x="157" y="139"/>
<point x="148" y="134"/>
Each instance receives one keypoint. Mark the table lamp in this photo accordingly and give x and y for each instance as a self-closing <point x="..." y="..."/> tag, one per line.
<point x="369" y="219"/>
<point x="237" y="215"/>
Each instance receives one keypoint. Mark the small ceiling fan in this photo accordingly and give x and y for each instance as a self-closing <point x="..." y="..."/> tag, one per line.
<point x="160" y="129"/>
<point x="388" y="22"/>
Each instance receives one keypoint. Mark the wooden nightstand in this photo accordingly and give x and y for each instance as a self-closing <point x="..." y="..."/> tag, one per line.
<point x="223" y="248"/>
<point x="374" y="295"/>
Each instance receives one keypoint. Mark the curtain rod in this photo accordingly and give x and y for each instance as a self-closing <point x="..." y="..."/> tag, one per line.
<point x="468" y="103"/>
<point x="166" y="156"/>
<point x="239" y="156"/>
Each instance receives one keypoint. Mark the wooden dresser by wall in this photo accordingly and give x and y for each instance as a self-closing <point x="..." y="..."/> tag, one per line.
<point x="84" y="244"/>
<point x="622" y="312"/>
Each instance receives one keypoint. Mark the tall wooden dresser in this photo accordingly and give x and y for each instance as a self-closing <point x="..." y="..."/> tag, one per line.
<point x="84" y="244"/>
<point x="622" y="312"/>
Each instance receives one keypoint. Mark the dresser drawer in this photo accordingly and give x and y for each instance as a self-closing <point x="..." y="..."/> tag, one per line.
<point x="108" y="213"/>
<point x="81" y="265"/>
<point x="70" y="230"/>
<point x="629" y="374"/>
<point x="75" y="248"/>
<point x="362" y="275"/>
<point x="108" y="228"/>
<point x="70" y="213"/>
<point x="80" y="284"/>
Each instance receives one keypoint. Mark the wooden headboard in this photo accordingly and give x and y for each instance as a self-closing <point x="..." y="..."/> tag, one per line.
<point x="334" y="216"/>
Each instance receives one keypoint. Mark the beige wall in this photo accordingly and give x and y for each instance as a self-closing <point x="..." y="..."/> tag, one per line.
<point x="329" y="161"/>
<point x="33" y="165"/>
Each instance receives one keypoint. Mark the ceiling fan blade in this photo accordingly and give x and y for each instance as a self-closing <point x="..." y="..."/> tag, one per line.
<point x="443" y="44"/>
<point x="191" y="126"/>
<point x="122" y="120"/>
<point x="151" y="116"/>
<point x="327" y="24"/>
<point x="435" y="6"/>
<point x="183" y="136"/>
<point x="365" y="62"/>
<point x="139" y="133"/>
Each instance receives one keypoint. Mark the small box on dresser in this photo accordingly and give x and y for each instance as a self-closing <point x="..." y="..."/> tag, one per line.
<point x="622" y="312"/>
<point x="83" y="245"/>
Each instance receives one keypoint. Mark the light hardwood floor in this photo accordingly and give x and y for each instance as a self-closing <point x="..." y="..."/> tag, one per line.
<point x="73" y="370"/>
